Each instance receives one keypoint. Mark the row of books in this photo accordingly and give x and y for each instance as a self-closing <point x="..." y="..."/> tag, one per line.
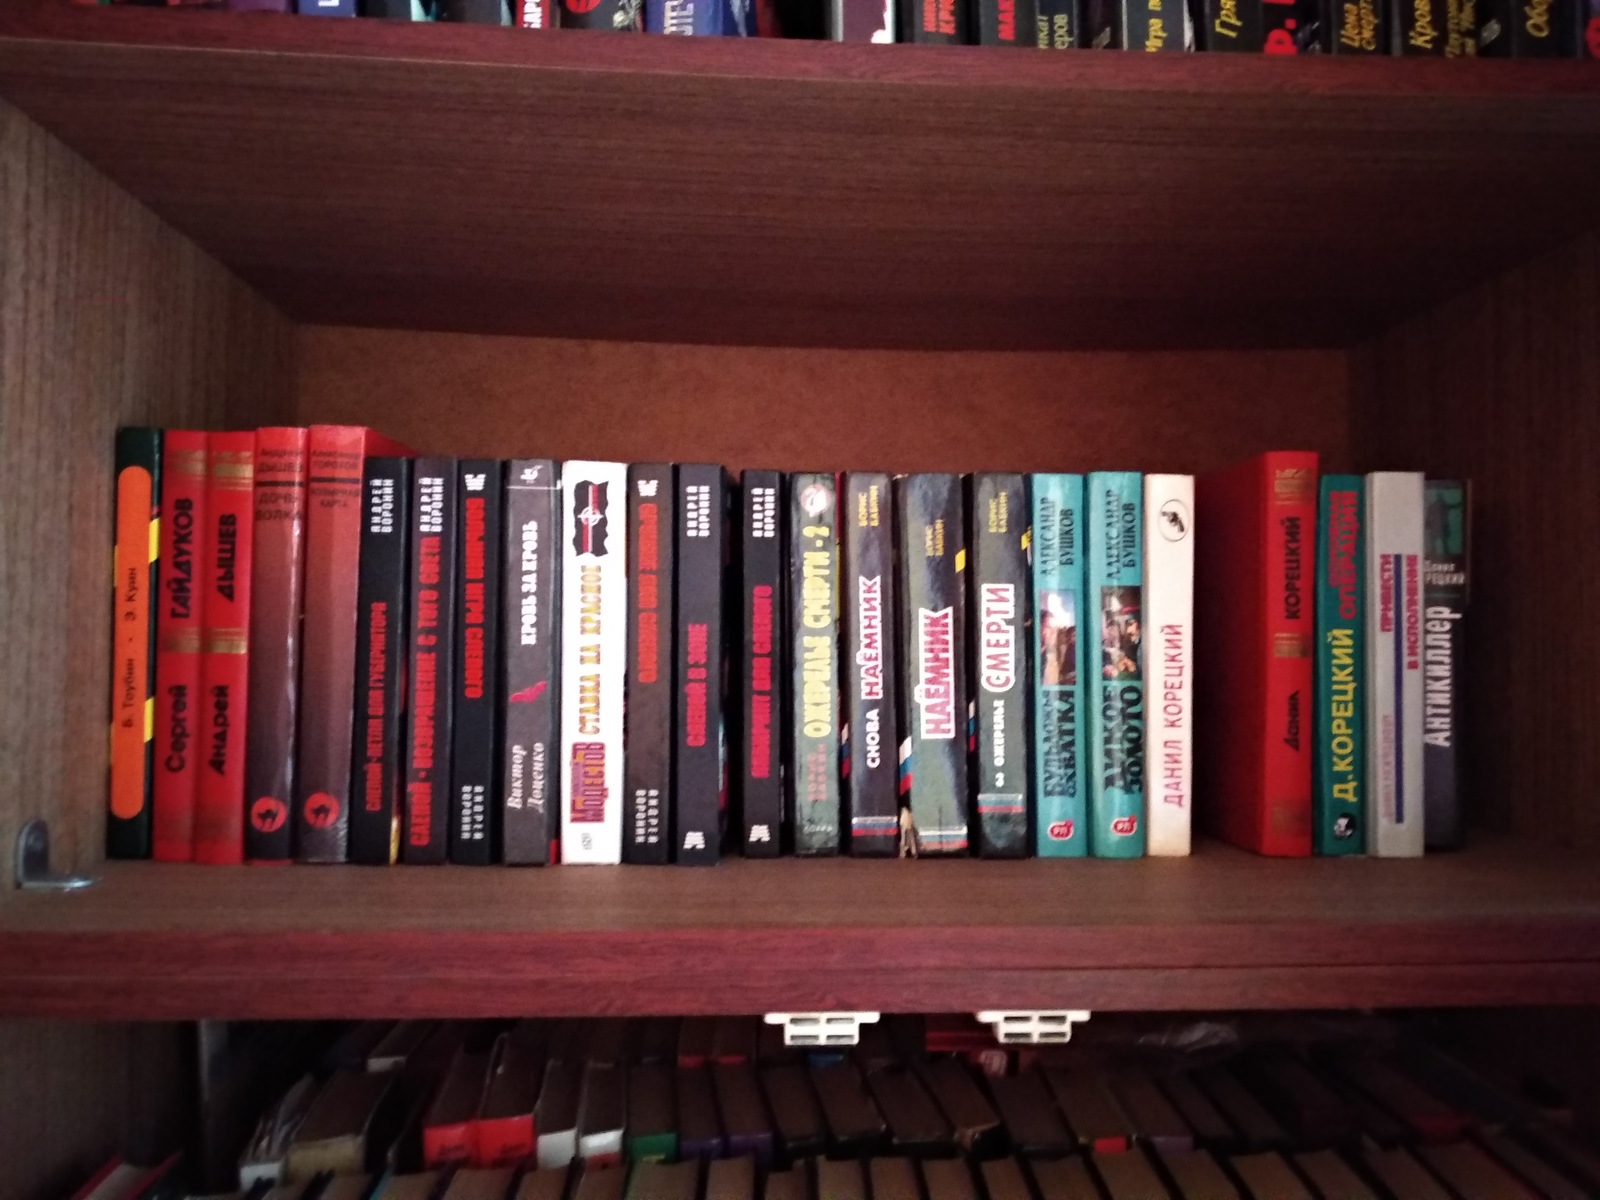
<point x="1450" y="28"/>
<point x="357" y="655"/>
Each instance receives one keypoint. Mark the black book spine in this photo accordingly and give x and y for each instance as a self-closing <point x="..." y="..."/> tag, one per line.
<point x="1149" y="26"/>
<point x="429" y="668"/>
<point x="1354" y="27"/>
<point x="1002" y="636"/>
<point x="531" y="662"/>
<point x="647" y="758"/>
<point x="381" y="628"/>
<point x="623" y="16"/>
<point x="763" y="630"/>
<point x="933" y="690"/>
<point x="1010" y="22"/>
<point x="1447" y="527"/>
<point x="814" y="674"/>
<point x="1229" y="25"/>
<point x="871" y="766"/>
<point x="475" y="742"/>
<point x="1422" y="27"/>
<point x="1528" y="28"/>
<point x="702" y="537"/>
<point x="135" y="581"/>
<point x="1058" y="24"/>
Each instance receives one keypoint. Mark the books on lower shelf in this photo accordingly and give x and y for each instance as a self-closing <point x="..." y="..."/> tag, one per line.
<point x="530" y="661"/>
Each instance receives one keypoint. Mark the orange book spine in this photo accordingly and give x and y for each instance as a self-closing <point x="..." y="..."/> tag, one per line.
<point x="225" y="662"/>
<point x="180" y="605"/>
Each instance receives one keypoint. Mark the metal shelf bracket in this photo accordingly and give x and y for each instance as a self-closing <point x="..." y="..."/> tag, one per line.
<point x="1033" y="1027"/>
<point x="822" y="1028"/>
<point x="33" y="862"/>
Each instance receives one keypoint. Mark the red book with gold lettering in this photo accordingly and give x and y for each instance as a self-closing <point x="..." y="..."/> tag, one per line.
<point x="1255" y="621"/>
<point x="337" y="457"/>
<point x="180" y="602"/>
<point x="430" y="660"/>
<point x="224" y="662"/>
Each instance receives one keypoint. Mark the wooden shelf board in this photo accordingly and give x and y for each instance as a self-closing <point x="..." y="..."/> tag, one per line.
<point x="1502" y="923"/>
<point x="787" y="193"/>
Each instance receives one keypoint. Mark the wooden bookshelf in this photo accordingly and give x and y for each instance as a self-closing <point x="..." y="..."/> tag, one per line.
<point x="1502" y="923"/>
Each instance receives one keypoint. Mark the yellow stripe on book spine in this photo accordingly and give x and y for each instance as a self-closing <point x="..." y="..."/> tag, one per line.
<point x="155" y="538"/>
<point x="149" y="718"/>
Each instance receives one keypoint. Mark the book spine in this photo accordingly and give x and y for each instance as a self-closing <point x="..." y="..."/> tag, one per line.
<point x="135" y="576"/>
<point x="1229" y="25"/>
<point x="871" y="767"/>
<point x="698" y="781"/>
<point x="381" y="631"/>
<point x="1011" y="22"/>
<point x="1394" y="664"/>
<point x="225" y="645"/>
<point x="814" y="678"/>
<point x="1339" y="669"/>
<point x="429" y="659"/>
<point x="933" y="686"/>
<point x="1447" y="530"/>
<point x="621" y="16"/>
<point x="647" y="763"/>
<point x="1058" y="24"/>
<point x="1422" y="28"/>
<point x="476" y="12"/>
<point x="861" y="20"/>
<point x="1150" y="26"/>
<point x="1002" y="626"/>
<point x="1356" y="26"/>
<point x="1589" y="33"/>
<point x="535" y="14"/>
<point x="594" y="649"/>
<point x="1169" y="661"/>
<point x="277" y="580"/>
<point x="328" y="675"/>
<point x="934" y="22"/>
<point x="1284" y="27"/>
<point x="325" y="8"/>
<point x="1061" y="829"/>
<point x="532" y="660"/>
<point x="1288" y="488"/>
<point x="688" y="18"/>
<point x="1529" y="29"/>
<point x="475" y="746"/>
<point x="178" y="630"/>
<point x="1116" y="710"/>
<point x="764" y="634"/>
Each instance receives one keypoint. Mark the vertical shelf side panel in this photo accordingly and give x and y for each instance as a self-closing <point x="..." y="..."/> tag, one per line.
<point x="107" y="317"/>
<point x="1502" y="385"/>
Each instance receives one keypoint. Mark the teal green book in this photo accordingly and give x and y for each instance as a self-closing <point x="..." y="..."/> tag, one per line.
<point x="1116" y="702"/>
<point x="1338" y="696"/>
<point x="1059" y="788"/>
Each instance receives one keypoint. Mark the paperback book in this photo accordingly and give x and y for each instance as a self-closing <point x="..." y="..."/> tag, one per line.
<point x="871" y="766"/>
<point x="1339" y="707"/>
<point x="814" y="677"/>
<point x="1395" y="820"/>
<point x="1116" y="709"/>
<point x="1447" y="528"/>
<point x="430" y="664"/>
<point x="699" y="793"/>
<point x="652" y="552"/>
<point x="765" y="637"/>
<point x="1059" y="677"/>
<point x="1169" y="540"/>
<point x="475" y="747"/>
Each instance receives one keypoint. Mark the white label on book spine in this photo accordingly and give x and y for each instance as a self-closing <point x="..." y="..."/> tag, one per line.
<point x="1394" y="664"/>
<point x="594" y="649"/>
<point x="1169" y="661"/>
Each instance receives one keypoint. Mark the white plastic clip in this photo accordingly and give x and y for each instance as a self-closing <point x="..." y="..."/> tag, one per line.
<point x="1034" y="1027"/>
<point x="822" y="1028"/>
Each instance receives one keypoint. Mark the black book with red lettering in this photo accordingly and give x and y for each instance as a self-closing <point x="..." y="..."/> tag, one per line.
<point x="871" y="751"/>
<point x="1010" y="23"/>
<point x="475" y="741"/>
<point x="760" y="734"/>
<point x="940" y="22"/>
<point x="1228" y="25"/>
<point x="699" y="795"/>
<point x="429" y="666"/>
<point x="375" y="768"/>
<point x="647" y="755"/>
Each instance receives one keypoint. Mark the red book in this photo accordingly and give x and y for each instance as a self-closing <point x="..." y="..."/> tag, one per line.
<point x="275" y="589"/>
<point x="337" y="455"/>
<point x="178" y="616"/>
<point x="1255" y="622"/>
<point x="225" y="661"/>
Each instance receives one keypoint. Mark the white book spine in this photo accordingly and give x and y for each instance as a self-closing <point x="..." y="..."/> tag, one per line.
<point x="1394" y="664"/>
<point x="594" y="652"/>
<point x="1168" y="645"/>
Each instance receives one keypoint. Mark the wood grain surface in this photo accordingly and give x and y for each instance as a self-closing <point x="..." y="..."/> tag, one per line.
<point x="763" y="192"/>
<point x="1500" y="923"/>
<point x="107" y="317"/>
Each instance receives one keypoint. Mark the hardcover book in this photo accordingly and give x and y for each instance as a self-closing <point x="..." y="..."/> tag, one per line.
<point x="1283" y="27"/>
<point x="276" y="584"/>
<point x="699" y="796"/>
<point x="336" y="456"/>
<point x="814" y="679"/>
<point x="1058" y="24"/>
<point x="381" y="639"/>
<point x="1529" y="29"/>
<point x="1012" y="22"/>
<point x="1169" y="540"/>
<point x="1589" y="19"/>
<point x="1340" y="669"/>
<point x="871" y="761"/>
<point x="476" y="12"/>
<point x="594" y="648"/>
<point x="761" y="567"/>
<point x="1395" y="820"/>
<point x="134" y="578"/>
<point x="933" y="685"/>
<point x="534" y="14"/>
<point x="1154" y="25"/>
<point x="647" y="764"/>
<point x="1355" y="26"/>
<point x="1235" y="25"/>
<point x="861" y="20"/>
<point x="180" y="604"/>
<point x="531" y="670"/>
<point x="1116" y="723"/>
<point x="1059" y="679"/>
<point x="1002" y="634"/>
<point x="1253" y="662"/>
<point x="1447" y="529"/>
<point x="430" y="659"/>
<point x="475" y="748"/>
<point x="616" y="15"/>
<point x="224" y="650"/>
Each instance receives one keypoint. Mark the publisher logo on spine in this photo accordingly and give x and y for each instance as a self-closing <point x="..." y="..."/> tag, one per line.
<point x="1174" y="522"/>
<point x="589" y="519"/>
<point x="934" y="694"/>
<point x="1125" y="826"/>
<point x="814" y="500"/>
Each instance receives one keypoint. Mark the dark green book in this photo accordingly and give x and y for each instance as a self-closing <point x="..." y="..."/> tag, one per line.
<point x="814" y="686"/>
<point x="136" y="541"/>
<point x="1339" y="668"/>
